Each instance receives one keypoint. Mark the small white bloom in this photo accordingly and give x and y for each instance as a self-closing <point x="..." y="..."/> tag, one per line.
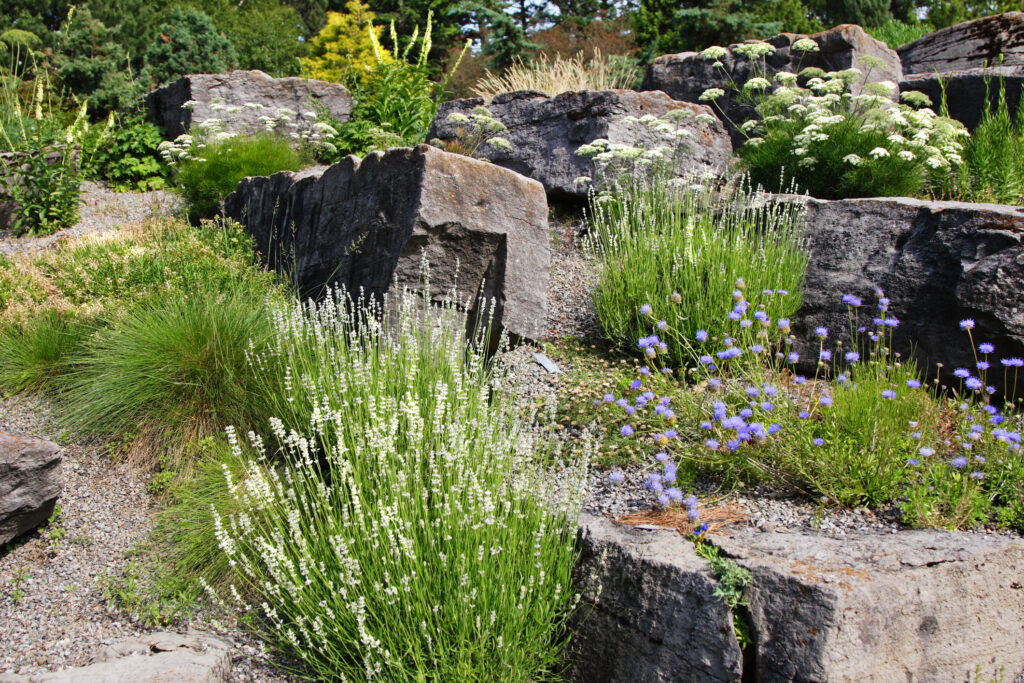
<point x="711" y="94"/>
<point x="852" y="159"/>
<point x="806" y="45"/>
<point x="879" y="152"/>
<point x="906" y="155"/>
<point x="715" y="52"/>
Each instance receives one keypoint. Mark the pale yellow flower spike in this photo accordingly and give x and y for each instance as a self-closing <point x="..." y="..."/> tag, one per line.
<point x="378" y="51"/>
<point x="427" y="43"/>
<point x="39" y="99"/>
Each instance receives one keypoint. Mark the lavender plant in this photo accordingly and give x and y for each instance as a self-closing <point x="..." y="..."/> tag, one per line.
<point x="410" y="528"/>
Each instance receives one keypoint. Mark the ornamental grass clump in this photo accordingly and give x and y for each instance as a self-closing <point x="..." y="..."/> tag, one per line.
<point x="404" y="523"/>
<point x="813" y="131"/>
<point x="669" y="250"/>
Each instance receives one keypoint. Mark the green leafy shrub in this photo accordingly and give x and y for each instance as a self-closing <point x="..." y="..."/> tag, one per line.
<point x="127" y="156"/>
<point x="833" y="144"/>
<point x="212" y="171"/>
<point x="417" y="488"/>
<point x="895" y="33"/>
<point x="188" y="43"/>
<point x="670" y="249"/>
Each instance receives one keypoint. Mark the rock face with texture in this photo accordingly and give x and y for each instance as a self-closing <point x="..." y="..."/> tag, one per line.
<point x="545" y="133"/>
<point x="914" y="606"/>
<point x="30" y="481"/>
<point x="192" y="100"/>
<point x="969" y="91"/>
<point x="655" y="618"/>
<point x="364" y="224"/>
<point x="971" y="45"/>
<point x="193" y="657"/>
<point x="939" y="263"/>
<point x="685" y="76"/>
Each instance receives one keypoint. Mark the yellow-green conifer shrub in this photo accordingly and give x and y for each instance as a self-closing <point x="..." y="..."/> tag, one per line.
<point x="343" y="51"/>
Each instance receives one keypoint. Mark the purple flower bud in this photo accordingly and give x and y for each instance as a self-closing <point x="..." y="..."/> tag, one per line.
<point x="616" y="477"/>
<point x="645" y="309"/>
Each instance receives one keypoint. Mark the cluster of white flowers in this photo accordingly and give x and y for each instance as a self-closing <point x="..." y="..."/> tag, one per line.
<point x="476" y="131"/>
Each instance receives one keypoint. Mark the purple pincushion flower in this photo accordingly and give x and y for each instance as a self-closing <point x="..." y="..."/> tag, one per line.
<point x="693" y="514"/>
<point x="646" y="309"/>
<point x="974" y="384"/>
<point x="799" y="379"/>
<point x="774" y="428"/>
<point x="626" y="431"/>
<point x="958" y="463"/>
<point x="767" y="406"/>
<point x="1012" y="362"/>
<point x="926" y="452"/>
<point x="962" y="373"/>
<point x="616" y="477"/>
<point x="825" y="401"/>
<point x="913" y="384"/>
<point x="783" y="323"/>
<point x="609" y="398"/>
<point x="662" y="325"/>
<point x="636" y="384"/>
<point x="711" y="444"/>
<point x="986" y="347"/>
<point x="966" y="324"/>
<point x="821" y="332"/>
<point x="803" y="414"/>
<point x="889" y="394"/>
<point x="913" y="462"/>
<point x="852" y="356"/>
<point x="793" y="357"/>
<point x="818" y="441"/>
<point x="702" y="335"/>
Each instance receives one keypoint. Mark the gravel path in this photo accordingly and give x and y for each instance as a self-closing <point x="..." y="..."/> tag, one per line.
<point x="100" y="210"/>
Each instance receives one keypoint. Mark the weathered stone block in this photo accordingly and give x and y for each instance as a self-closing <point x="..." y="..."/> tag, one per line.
<point x="30" y="482"/>
<point x="224" y="97"/>
<point x="545" y="133"/>
<point x="970" y="45"/>
<point x="650" y="616"/>
<point x="969" y="91"/>
<point x="365" y="224"/>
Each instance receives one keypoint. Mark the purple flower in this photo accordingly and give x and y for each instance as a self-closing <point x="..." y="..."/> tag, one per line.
<point x="842" y="379"/>
<point x="883" y="304"/>
<point x="821" y="332"/>
<point x="977" y="475"/>
<point x="635" y="384"/>
<point x="661" y="456"/>
<point x="646" y="309"/>
<point x="626" y="431"/>
<point x="782" y="292"/>
<point x="818" y="441"/>
<point x="753" y="392"/>
<point x="630" y="410"/>
<point x="609" y="398"/>
<point x="645" y="371"/>
<point x="706" y="425"/>
<point x="974" y="384"/>
<point x="967" y="324"/>
<point x="735" y="315"/>
<point x="915" y="435"/>
<point x="761" y="315"/>
<point x="720" y="410"/>
<point x="957" y="463"/>
<point x="825" y="354"/>
<point x="670" y="473"/>
<point x="774" y="428"/>
<point x="825" y="401"/>
<point x="756" y="348"/>
<point x="711" y="444"/>
<point x="799" y="379"/>
<point x="691" y="501"/>
<point x="892" y="322"/>
<point x="767" y="292"/>
<point x="878" y="321"/>
<point x="664" y="500"/>
<point x="889" y="393"/>
<point x="706" y="359"/>
<point x="616" y="477"/>
<point x="803" y="415"/>
<point x="913" y="462"/>
<point x="769" y="390"/>
<point x="1012" y="362"/>
<point x="663" y="347"/>
<point x="793" y="357"/>
<point x="851" y="300"/>
<point x="745" y="323"/>
<point x="730" y="353"/>
<point x="662" y="325"/>
<point x="962" y="373"/>
<point x="734" y="444"/>
<point x="653" y="483"/>
<point x="714" y="382"/>
<point x="702" y="335"/>
<point x="671" y="433"/>
<point x="746" y="412"/>
<point x="783" y="323"/>
<point x="852" y="356"/>
<point x="986" y="348"/>
<point x="913" y="384"/>
<point x="666" y="371"/>
<point x="693" y="514"/>
<point x="926" y="452"/>
<point x="674" y="494"/>
<point x="767" y="406"/>
<point x="651" y="352"/>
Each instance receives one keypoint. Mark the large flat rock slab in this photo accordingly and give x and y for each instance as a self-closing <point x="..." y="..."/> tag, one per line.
<point x="914" y="606"/>
<point x="30" y="482"/>
<point x="686" y="75"/>
<point x="939" y="263"/>
<point x="545" y="133"/>
<point x="367" y="224"/>
<point x="238" y="99"/>
<point x="193" y="657"/>
<point x="648" y="613"/>
<point x="971" y="45"/>
<point x="969" y="92"/>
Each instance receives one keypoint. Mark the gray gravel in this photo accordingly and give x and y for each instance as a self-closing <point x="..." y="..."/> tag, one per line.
<point x="100" y="210"/>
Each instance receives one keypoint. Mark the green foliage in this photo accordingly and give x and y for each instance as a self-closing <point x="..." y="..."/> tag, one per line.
<point x="127" y="155"/>
<point x="150" y="596"/>
<point x="670" y="246"/>
<point x="895" y="33"/>
<point x="993" y="159"/>
<point x="343" y="51"/>
<point x="732" y="584"/>
<point x="423" y="497"/>
<point x="44" y="185"/>
<point x="867" y="13"/>
<point x="36" y="351"/>
<point x="507" y="42"/>
<point x="835" y="145"/>
<point x="265" y="34"/>
<point x="205" y="181"/>
<point x="187" y="44"/>
<point x="474" y="132"/>
<point x="943" y="13"/>
<point x="664" y="26"/>
<point x="93" y="65"/>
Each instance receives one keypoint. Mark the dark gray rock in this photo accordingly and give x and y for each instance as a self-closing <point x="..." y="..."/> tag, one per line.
<point x="914" y="606"/>
<point x="545" y="133"/>
<point x="648" y="613"/>
<point x="364" y="224"/>
<point x="30" y="482"/>
<point x="193" y="657"/>
<point x="939" y="263"/>
<point x="224" y="97"/>
<point x="970" y="45"/>
<point x="685" y="76"/>
<point x="969" y="91"/>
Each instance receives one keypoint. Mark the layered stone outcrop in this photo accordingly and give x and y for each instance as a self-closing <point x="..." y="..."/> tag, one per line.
<point x="996" y="40"/>
<point x="367" y="225"/>
<point x="545" y="133"/>
<point x="237" y="100"/>
<point x="969" y="93"/>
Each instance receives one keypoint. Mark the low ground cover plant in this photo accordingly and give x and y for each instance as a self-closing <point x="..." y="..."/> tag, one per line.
<point x="895" y="33"/>
<point x="126" y="154"/>
<point x="412" y="530"/>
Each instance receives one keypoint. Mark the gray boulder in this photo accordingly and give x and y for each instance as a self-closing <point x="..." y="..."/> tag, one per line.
<point x="648" y="613"/>
<point x="30" y="482"/>
<point x="192" y="100"/>
<point x="193" y="657"/>
<point x="364" y="224"/>
<point x="939" y="263"/>
<point x="914" y="606"/>
<point x="970" y="45"/>
<point x="685" y="76"/>
<point x="545" y="133"/>
<point x="969" y="91"/>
